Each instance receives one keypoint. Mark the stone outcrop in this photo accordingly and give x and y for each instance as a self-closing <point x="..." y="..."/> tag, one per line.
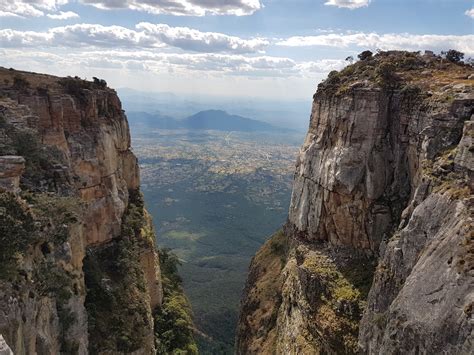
<point x="68" y="181"/>
<point x="382" y="201"/>
<point x="12" y="168"/>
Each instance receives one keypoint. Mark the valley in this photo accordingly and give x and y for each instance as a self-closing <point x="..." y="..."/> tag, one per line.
<point x="215" y="197"/>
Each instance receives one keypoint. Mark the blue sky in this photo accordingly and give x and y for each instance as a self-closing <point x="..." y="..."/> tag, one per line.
<point x="269" y="48"/>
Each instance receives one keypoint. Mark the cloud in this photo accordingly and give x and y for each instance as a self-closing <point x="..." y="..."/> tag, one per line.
<point x="74" y="36"/>
<point x="28" y="8"/>
<point x="63" y="15"/>
<point x="349" y="4"/>
<point x="406" y="41"/>
<point x="212" y="64"/>
<point x="182" y="7"/>
<point x="193" y="40"/>
<point x="146" y="35"/>
<point x="470" y="13"/>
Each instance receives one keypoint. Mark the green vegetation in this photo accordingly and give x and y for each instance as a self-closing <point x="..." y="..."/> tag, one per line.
<point x="55" y="214"/>
<point x="55" y="282"/>
<point x="365" y="55"/>
<point x="342" y="297"/>
<point x="20" y="83"/>
<point x="75" y="87"/>
<point x="220" y="214"/>
<point x="40" y="159"/>
<point x="394" y="70"/>
<point x="173" y="322"/>
<point x="118" y="314"/>
<point x="43" y="222"/>
<point x="453" y="55"/>
<point x="386" y="76"/>
<point x="100" y="83"/>
<point x="17" y="232"/>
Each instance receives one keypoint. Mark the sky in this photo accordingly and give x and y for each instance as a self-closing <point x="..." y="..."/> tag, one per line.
<point x="277" y="49"/>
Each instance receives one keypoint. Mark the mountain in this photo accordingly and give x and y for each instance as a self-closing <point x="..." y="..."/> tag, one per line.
<point x="79" y="268"/>
<point x="204" y="120"/>
<point x="222" y="121"/>
<point x="293" y="114"/>
<point x="376" y="256"/>
<point x="145" y="120"/>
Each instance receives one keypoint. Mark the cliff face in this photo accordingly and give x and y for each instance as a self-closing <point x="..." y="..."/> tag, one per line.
<point x="77" y="245"/>
<point x="382" y="201"/>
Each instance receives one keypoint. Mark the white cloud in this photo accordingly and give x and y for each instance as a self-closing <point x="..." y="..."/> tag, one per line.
<point x="182" y="63"/>
<point x="146" y="35"/>
<point x="63" y="15"/>
<point x="8" y="14"/>
<point x="349" y="4"/>
<point x="28" y="8"/>
<point x="193" y="40"/>
<point x="406" y="41"/>
<point x="182" y="7"/>
<point x="470" y="13"/>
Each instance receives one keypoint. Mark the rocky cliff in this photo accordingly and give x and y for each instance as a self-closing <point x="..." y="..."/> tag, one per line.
<point x="79" y="271"/>
<point x="377" y="256"/>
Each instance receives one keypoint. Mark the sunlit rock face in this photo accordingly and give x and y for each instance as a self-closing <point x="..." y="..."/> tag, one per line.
<point x="379" y="255"/>
<point x="65" y="143"/>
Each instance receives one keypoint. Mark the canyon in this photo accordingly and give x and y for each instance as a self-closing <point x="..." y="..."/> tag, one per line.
<point x="376" y="255"/>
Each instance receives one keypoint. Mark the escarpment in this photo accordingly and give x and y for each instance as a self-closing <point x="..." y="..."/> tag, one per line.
<point x="379" y="254"/>
<point x="79" y="270"/>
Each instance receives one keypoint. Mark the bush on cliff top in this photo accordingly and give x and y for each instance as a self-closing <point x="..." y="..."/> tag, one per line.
<point x="389" y="70"/>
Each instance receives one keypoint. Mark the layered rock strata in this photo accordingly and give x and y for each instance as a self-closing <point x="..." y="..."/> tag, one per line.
<point x="69" y="186"/>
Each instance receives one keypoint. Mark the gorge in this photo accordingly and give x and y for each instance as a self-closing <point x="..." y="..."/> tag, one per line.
<point x="376" y="255"/>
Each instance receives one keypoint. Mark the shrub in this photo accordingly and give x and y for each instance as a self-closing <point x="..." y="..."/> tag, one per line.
<point x="39" y="159"/>
<point x="55" y="214"/>
<point x="20" y="83"/>
<point x="173" y="322"/>
<point x="75" y="87"/>
<point x="365" y="55"/>
<point x="453" y="55"/>
<point x="101" y="83"/>
<point x="386" y="76"/>
<point x="116" y="288"/>
<point x="17" y="232"/>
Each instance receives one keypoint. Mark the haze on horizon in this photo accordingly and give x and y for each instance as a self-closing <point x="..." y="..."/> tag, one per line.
<point x="276" y="49"/>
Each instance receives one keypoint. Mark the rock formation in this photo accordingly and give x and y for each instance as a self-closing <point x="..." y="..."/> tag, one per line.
<point x="378" y="250"/>
<point x="79" y="270"/>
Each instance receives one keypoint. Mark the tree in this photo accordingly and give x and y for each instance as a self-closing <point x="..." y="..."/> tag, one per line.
<point x="100" y="82"/>
<point x="453" y="56"/>
<point x="365" y="55"/>
<point x="386" y="75"/>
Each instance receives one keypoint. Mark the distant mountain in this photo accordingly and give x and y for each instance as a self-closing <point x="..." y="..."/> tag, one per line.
<point x="222" y="121"/>
<point x="152" y="120"/>
<point x="206" y="120"/>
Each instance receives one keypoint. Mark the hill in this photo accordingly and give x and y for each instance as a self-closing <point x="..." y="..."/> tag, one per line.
<point x="218" y="120"/>
<point x="222" y="121"/>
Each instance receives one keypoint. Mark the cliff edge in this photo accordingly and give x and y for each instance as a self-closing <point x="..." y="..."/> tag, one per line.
<point x="378" y="252"/>
<point x="79" y="270"/>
